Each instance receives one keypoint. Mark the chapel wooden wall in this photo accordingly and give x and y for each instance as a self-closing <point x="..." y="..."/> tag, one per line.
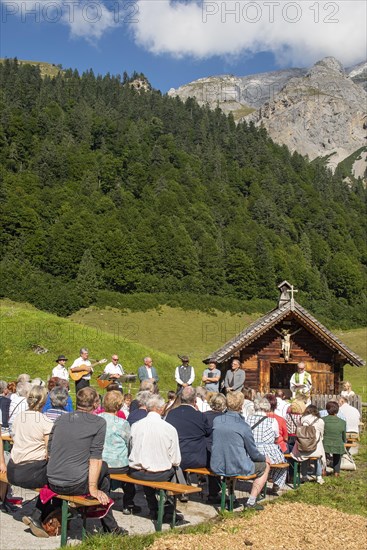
<point x="320" y="361"/>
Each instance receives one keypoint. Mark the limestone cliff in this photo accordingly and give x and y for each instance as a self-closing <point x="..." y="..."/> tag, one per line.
<point x="317" y="112"/>
<point x="322" y="113"/>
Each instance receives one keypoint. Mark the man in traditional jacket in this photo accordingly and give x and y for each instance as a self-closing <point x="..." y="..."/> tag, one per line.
<point x="184" y="374"/>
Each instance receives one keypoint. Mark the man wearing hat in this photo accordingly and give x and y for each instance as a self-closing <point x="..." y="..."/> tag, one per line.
<point x="60" y="371"/>
<point x="184" y="374"/>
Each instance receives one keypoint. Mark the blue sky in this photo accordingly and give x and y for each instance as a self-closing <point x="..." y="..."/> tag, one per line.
<point x="175" y="42"/>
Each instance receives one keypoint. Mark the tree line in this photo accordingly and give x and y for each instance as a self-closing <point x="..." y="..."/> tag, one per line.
<point x="108" y="189"/>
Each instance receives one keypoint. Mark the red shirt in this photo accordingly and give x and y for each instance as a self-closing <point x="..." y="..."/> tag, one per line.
<point x="120" y="414"/>
<point x="283" y="432"/>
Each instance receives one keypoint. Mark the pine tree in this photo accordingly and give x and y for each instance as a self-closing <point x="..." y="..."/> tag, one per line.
<point x="87" y="281"/>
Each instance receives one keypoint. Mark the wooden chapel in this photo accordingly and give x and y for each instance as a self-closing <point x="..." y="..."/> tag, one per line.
<point x="270" y="348"/>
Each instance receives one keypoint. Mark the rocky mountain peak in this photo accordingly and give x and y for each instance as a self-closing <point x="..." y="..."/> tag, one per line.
<point x="328" y="64"/>
<point x="317" y="112"/>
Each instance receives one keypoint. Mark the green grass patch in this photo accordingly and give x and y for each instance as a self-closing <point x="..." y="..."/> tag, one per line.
<point x="23" y="326"/>
<point x="170" y="330"/>
<point x="345" y="167"/>
<point x="110" y="542"/>
<point x="357" y="341"/>
<point x="138" y="542"/>
<point x="242" y="111"/>
<point x="346" y="493"/>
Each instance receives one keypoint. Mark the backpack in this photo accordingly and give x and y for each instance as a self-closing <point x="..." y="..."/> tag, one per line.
<point x="306" y="437"/>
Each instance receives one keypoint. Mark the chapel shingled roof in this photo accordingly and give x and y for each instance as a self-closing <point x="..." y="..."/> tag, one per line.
<point x="268" y="321"/>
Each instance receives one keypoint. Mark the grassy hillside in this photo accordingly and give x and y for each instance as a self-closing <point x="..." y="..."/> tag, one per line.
<point x="46" y="69"/>
<point x="23" y="326"/>
<point x="197" y="334"/>
<point x="169" y="330"/>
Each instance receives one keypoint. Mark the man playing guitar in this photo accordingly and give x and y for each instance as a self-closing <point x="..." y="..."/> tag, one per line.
<point x="83" y="365"/>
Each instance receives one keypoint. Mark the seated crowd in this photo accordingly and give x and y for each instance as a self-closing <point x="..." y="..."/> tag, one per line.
<point x="155" y="439"/>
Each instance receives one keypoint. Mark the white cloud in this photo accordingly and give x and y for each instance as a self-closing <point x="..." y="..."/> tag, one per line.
<point x="298" y="33"/>
<point x="88" y="19"/>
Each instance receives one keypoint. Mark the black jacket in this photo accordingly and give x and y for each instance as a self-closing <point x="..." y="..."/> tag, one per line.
<point x="193" y="430"/>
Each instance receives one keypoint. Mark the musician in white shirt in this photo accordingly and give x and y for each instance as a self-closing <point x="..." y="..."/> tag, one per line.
<point x="114" y="369"/>
<point x="60" y="371"/>
<point x="82" y="364"/>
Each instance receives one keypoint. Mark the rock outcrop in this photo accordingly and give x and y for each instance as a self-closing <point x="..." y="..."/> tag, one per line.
<point x="358" y="74"/>
<point x="317" y="112"/>
<point x="322" y="113"/>
<point x="240" y="95"/>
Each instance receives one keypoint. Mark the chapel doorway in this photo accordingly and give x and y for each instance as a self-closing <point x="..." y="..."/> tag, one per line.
<point x="280" y="375"/>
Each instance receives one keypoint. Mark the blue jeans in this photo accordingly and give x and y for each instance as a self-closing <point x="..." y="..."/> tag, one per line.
<point x="318" y="467"/>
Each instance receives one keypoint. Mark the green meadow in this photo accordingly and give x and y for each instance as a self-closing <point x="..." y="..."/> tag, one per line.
<point x="162" y="333"/>
<point x="169" y="330"/>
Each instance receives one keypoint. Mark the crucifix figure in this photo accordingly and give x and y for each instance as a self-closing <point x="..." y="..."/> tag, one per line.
<point x="286" y="335"/>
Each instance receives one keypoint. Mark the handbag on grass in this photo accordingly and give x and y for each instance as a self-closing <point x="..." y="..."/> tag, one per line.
<point x="347" y="462"/>
<point x="52" y="524"/>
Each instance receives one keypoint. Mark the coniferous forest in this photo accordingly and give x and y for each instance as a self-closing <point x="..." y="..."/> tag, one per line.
<point x="108" y="189"/>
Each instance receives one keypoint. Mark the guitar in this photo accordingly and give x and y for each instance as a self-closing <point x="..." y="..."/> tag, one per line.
<point x="104" y="380"/>
<point x="80" y="373"/>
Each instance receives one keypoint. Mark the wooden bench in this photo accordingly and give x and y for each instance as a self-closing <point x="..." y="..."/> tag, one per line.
<point x="230" y="482"/>
<point x="226" y="482"/>
<point x="165" y="488"/>
<point x="297" y="470"/>
<point x="79" y="501"/>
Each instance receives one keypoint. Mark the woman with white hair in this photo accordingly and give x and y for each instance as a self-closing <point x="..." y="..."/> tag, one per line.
<point x="265" y="432"/>
<point x="59" y="398"/>
<point x="18" y="402"/>
<point x="248" y="403"/>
